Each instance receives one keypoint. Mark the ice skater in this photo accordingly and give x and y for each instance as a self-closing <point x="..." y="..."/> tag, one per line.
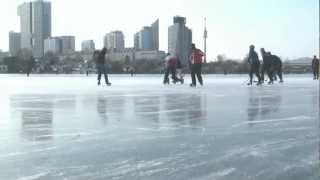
<point x="30" y="65"/>
<point x="196" y="60"/>
<point x="170" y="68"/>
<point x="315" y="68"/>
<point x="276" y="67"/>
<point x="101" y="65"/>
<point x="254" y="62"/>
<point x="266" y="67"/>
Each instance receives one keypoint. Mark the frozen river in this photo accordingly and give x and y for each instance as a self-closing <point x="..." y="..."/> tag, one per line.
<point x="66" y="127"/>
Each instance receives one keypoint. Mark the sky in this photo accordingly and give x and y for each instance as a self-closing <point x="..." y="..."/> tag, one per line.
<point x="288" y="28"/>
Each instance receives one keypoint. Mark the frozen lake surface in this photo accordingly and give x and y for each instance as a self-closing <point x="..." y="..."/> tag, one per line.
<point x="66" y="127"/>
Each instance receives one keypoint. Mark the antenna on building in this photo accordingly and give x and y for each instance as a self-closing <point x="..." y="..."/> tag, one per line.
<point x="205" y="36"/>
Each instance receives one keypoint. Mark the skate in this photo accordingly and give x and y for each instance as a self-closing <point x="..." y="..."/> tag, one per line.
<point x="108" y="84"/>
<point x="99" y="83"/>
<point x="259" y="83"/>
<point x="192" y="85"/>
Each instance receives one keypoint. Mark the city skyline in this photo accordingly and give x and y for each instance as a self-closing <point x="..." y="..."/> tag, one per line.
<point x="232" y="25"/>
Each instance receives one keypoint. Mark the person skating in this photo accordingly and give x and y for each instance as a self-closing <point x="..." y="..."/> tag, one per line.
<point x="170" y="68"/>
<point x="315" y="67"/>
<point x="195" y="65"/>
<point x="101" y="66"/>
<point x="266" y="67"/>
<point x="276" y="67"/>
<point x="30" y="65"/>
<point x="254" y="63"/>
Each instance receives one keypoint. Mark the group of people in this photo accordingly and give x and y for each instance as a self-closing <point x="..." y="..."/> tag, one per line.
<point x="174" y="67"/>
<point x="272" y="66"/>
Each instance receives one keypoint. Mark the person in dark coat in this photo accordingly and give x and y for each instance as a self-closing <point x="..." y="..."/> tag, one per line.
<point x="30" y="65"/>
<point x="101" y="66"/>
<point x="266" y="67"/>
<point x="315" y="67"/>
<point x="276" y="67"/>
<point x="254" y="63"/>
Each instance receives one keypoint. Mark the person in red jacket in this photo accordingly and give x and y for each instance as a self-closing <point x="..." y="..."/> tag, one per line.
<point x="195" y="65"/>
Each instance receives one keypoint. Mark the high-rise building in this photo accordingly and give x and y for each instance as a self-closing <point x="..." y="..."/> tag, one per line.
<point x="136" y="40"/>
<point x="180" y="39"/>
<point x="14" y="43"/>
<point x="155" y="34"/>
<point x="114" y="41"/>
<point x="148" y="37"/>
<point x="53" y="45"/>
<point x="35" y="25"/>
<point x="88" y="46"/>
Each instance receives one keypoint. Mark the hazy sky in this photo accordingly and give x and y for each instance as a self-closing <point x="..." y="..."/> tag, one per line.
<point x="289" y="28"/>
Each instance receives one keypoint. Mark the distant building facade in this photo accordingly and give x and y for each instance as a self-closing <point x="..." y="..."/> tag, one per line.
<point x="136" y="40"/>
<point x="180" y="39"/>
<point x="68" y="44"/>
<point x="35" y="25"/>
<point x="87" y="46"/>
<point x="148" y="37"/>
<point x="60" y="45"/>
<point x="114" y="41"/>
<point x="133" y="55"/>
<point x="14" y="43"/>
<point x="53" y="45"/>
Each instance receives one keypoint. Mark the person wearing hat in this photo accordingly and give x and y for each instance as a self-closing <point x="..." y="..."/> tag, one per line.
<point x="254" y="63"/>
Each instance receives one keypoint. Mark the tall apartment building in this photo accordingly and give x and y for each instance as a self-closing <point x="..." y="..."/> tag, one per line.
<point x="114" y="41"/>
<point x="14" y="43"/>
<point x="180" y="39"/>
<point x="148" y="37"/>
<point x="35" y="25"/>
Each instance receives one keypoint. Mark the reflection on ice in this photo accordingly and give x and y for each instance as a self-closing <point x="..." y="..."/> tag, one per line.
<point x="223" y="130"/>
<point x="263" y="104"/>
<point x="36" y="116"/>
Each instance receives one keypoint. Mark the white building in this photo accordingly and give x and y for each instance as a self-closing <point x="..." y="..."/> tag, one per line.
<point x="35" y="25"/>
<point x="14" y="43"/>
<point x="180" y="39"/>
<point x="88" y="46"/>
<point x="114" y="41"/>
<point x="53" y="45"/>
<point x="134" y="54"/>
<point x="150" y="55"/>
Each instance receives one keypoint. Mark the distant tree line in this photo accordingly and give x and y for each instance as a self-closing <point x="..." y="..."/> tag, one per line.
<point x="51" y="63"/>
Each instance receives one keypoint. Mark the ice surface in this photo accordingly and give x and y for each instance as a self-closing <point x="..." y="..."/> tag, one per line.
<point x="66" y="127"/>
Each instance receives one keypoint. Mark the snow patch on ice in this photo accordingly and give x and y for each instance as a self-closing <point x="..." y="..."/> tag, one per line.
<point x="35" y="176"/>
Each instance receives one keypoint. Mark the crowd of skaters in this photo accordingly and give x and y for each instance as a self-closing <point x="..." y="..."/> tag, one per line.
<point x="271" y="66"/>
